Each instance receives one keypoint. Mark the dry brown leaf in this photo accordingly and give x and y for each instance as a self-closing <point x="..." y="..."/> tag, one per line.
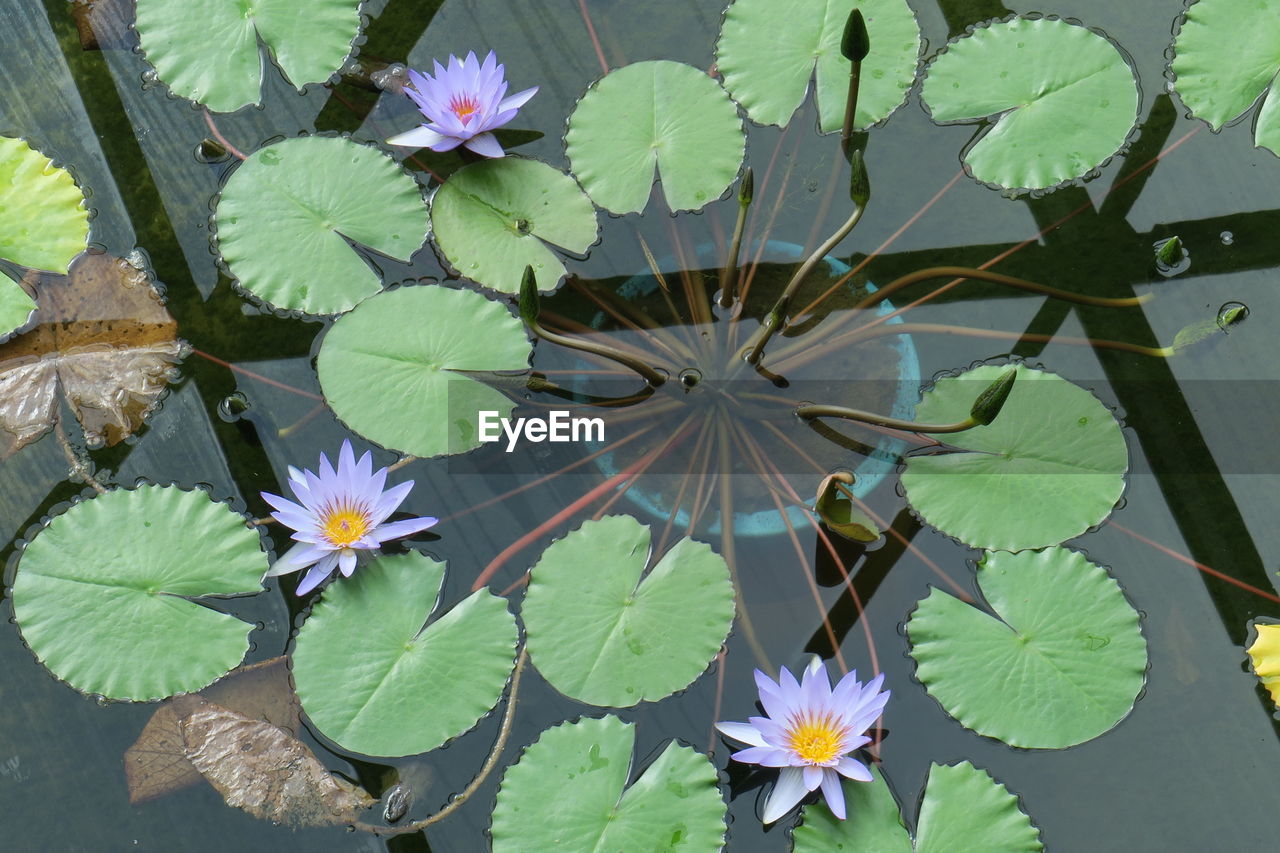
<point x="262" y="769"/>
<point x="156" y="765"/>
<point x="102" y="339"/>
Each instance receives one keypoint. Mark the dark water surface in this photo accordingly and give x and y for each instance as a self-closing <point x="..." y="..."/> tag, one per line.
<point x="1192" y="768"/>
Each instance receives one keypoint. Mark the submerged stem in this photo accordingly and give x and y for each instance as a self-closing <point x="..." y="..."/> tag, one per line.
<point x="729" y="278"/>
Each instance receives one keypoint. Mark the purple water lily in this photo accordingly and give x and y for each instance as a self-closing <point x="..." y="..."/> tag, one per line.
<point x="342" y="512"/>
<point x="461" y="104"/>
<point x="809" y="731"/>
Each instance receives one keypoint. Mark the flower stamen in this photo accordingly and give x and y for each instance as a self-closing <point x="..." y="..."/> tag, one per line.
<point x="815" y="740"/>
<point x="344" y="525"/>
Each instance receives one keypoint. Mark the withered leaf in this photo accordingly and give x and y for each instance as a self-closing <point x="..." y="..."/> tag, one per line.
<point x="102" y="339"/>
<point x="839" y="513"/>
<point x="156" y="764"/>
<point x="263" y="769"/>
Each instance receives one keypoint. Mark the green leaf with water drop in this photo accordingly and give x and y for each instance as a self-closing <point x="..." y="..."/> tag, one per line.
<point x="113" y="594"/>
<point x="655" y="115"/>
<point x="43" y="223"/>
<point x="377" y="676"/>
<point x="209" y="50"/>
<point x="1048" y="468"/>
<point x="394" y="369"/>
<point x="963" y="810"/>
<point x="290" y="214"/>
<point x="1059" y="660"/>
<point x="1226" y="57"/>
<point x="1062" y="96"/>
<point x="602" y="631"/>
<point x="768" y="51"/>
<point x="569" y="791"/>
<point x="493" y="219"/>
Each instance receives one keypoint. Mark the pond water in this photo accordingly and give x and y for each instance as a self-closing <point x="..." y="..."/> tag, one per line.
<point x="1192" y="767"/>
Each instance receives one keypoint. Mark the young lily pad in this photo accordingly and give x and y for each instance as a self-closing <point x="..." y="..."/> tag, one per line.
<point x="1065" y="96"/>
<point x="601" y="633"/>
<point x="43" y="222"/>
<point x="208" y="51"/>
<point x="104" y="594"/>
<point x="1048" y="468"/>
<point x="373" y="679"/>
<point x="567" y="793"/>
<point x="655" y="114"/>
<point x="964" y="811"/>
<point x="492" y="219"/>
<point x="1060" y="662"/>
<point x="389" y="368"/>
<point x="767" y="52"/>
<point x="1226" y="58"/>
<point x="289" y="214"/>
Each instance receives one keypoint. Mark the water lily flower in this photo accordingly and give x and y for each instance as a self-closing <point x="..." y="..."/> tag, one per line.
<point x="461" y="104"/>
<point x="342" y="512"/>
<point x="1265" y="653"/>
<point x="809" y="732"/>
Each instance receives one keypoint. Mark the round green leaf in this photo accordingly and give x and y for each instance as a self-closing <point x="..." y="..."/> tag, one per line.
<point x="208" y="50"/>
<point x="1065" y="96"/>
<point x="767" y="52"/>
<point x="491" y="220"/>
<point x="289" y="214"/>
<point x="374" y="680"/>
<point x="602" y="634"/>
<point x="16" y="306"/>
<point x="1060" y="662"/>
<point x="104" y="593"/>
<point x="43" y="221"/>
<point x="566" y="793"/>
<point x="1048" y="468"/>
<point x="655" y="114"/>
<point x="1226" y="58"/>
<point x="964" y="810"/>
<point x="388" y="368"/>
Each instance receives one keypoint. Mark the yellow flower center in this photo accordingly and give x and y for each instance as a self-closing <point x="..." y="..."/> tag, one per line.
<point x="815" y="740"/>
<point x="343" y="525"/>
<point x="464" y="107"/>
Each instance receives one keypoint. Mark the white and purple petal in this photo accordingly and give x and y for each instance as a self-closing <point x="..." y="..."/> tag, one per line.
<point x="788" y="791"/>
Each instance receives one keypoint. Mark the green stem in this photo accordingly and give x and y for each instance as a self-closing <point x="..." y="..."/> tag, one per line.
<point x="810" y="412"/>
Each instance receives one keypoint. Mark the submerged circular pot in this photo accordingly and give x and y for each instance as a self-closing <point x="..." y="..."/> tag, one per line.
<point x="870" y="472"/>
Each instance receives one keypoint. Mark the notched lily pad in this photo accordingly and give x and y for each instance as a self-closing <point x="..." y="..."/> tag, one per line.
<point x="493" y="219"/>
<point x="569" y="791"/>
<point x="655" y="115"/>
<point x="102" y="341"/>
<point x="208" y="50"/>
<point x="768" y="50"/>
<point x="603" y="631"/>
<point x="1061" y="662"/>
<point x="43" y="219"/>
<point x="288" y="217"/>
<point x="1063" y="97"/>
<point x="1226" y="57"/>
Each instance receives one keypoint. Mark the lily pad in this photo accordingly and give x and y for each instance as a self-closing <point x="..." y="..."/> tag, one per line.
<point x="105" y="594"/>
<point x="390" y="368"/>
<point x="767" y="53"/>
<point x="102" y="340"/>
<point x="1226" y="57"/>
<point x="289" y="215"/>
<point x="493" y="219"/>
<point x="43" y="221"/>
<point x="657" y="114"/>
<point x="1061" y="661"/>
<point x="567" y="793"/>
<point x="401" y="688"/>
<point x="964" y="810"/>
<point x="1048" y="468"/>
<point x="1064" y="97"/>
<point x="208" y="51"/>
<point x="601" y="631"/>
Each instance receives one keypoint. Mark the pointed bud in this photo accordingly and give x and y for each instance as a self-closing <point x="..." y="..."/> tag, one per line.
<point x="859" y="183"/>
<point x="1170" y="252"/>
<point x="856" y="44"/>
<point x="992" y="400"/>
<point x="747" y="187"/>
<point x="529" y="303"/>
